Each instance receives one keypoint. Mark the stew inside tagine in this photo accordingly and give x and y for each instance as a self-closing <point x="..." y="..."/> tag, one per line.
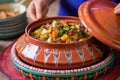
<point x="61" y="32"/>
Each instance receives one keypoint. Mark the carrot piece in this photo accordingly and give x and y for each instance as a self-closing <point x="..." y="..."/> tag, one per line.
<point x="65" y="24"/>
<point x="54" y="34"/>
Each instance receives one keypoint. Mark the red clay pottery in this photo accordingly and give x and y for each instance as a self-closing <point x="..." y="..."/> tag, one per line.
<point x="82" y="60"/>
<point x="99" y="18"/>
<point x="57" y="55"/>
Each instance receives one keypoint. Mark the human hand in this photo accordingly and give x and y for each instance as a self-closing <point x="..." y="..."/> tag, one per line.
<point x="117" y="9"/>
<point x="37" y="9"/>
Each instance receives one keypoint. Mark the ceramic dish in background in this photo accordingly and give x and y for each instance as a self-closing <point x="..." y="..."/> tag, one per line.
<point x="12" y="30"/>
<point x="11" y="7"/>
<point x="11" y="35"/>
<point x="6" y="1"/>
<point x="13" y="21"/>
<point x="12" y="26"/>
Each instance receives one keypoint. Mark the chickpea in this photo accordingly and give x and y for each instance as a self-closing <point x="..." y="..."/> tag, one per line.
<point x="7" y="13"/>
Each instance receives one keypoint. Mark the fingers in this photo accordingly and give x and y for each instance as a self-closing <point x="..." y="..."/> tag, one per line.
<point x="38" y="7"/>
<point x="117" y="9"/>
<point x="31" y="11"/>
<point x="45" y="10"/>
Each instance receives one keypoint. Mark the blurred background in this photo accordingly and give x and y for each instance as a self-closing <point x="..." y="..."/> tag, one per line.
<point x="4" y="42"/>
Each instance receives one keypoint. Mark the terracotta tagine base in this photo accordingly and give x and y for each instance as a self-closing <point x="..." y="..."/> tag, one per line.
<point x="58" y="55"/>
<point x="85" y="73"/>
<point x="8" y="68"/>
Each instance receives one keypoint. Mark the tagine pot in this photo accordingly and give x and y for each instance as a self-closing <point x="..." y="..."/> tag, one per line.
<point x="82" y="60"/>
<point x="58" y="55"/>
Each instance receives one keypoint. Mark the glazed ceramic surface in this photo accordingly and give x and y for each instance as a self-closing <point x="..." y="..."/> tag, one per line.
<point x="15" y="73"/>
<point x="12" y="26"/>
<point x="58" y="55"/>
<point x="101" y="21"/>
<point x="85" y="73"/>
<point x="12" y="6"/>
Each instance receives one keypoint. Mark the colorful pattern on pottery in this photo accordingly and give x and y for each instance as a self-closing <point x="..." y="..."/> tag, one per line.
<point x="56" y="58"/>
<point x="46" y="55"/>
<point x="68" y="55"/>
<point x="36" y="73"/>
<point x="32" y="51"/>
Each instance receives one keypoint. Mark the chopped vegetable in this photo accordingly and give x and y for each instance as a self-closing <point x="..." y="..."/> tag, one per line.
<point x="38" y="31"/>
<point x="54" y="23"/>
<point x="54" y="34"/>
<point x="44" y="37"/>
<point x="44" y="31"/>
<point x="64" y="37"/>
<point x="49" y="40"/>
<point x="61" y="32"/>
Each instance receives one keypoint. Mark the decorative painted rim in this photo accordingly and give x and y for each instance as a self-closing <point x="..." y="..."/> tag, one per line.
<point x="101" y="66"/>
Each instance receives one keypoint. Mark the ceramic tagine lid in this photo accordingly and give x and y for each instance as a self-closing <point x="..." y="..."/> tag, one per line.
<point x="99" y="18"/>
